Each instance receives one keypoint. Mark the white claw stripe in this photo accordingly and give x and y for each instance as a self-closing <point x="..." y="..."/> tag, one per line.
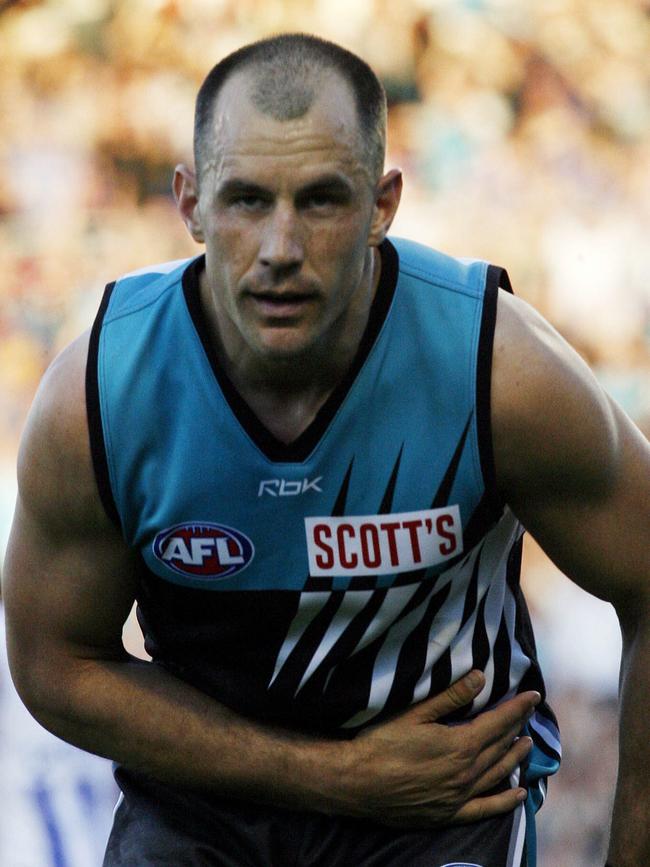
<point x="452" y="629"/>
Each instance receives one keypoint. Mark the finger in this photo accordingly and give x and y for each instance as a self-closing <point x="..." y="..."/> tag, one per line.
<point x="503" y="766"/>
<point x="459" y="694"/>
<point x="505" y="721"/>
<point x="495" y="751"/>
<point x="485" y="808"/>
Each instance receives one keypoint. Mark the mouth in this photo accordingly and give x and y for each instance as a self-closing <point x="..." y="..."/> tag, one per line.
<point x="281" y="305"/>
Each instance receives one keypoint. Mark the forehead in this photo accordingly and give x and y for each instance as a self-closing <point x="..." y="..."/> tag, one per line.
<point x="243" y="137"/>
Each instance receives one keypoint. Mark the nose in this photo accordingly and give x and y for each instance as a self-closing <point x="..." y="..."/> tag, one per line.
<point x="281" y="245"/>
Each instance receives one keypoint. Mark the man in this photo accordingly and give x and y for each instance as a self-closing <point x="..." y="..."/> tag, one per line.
<point x="301" y="449"/>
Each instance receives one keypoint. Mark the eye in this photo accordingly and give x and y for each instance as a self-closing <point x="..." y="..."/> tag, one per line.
<point x="249" y="202"/>
<point x="323" y="200"/>
<point x="320" y="200"/>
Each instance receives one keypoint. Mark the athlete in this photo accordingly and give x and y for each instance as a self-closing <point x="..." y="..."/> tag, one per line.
<point x="307" y="454"/>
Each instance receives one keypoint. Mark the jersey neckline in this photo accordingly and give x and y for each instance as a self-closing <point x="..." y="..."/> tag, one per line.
<point x="298" y="450"/>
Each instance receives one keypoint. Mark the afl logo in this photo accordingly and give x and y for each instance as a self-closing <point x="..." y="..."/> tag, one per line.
<point x="203" y="550"/>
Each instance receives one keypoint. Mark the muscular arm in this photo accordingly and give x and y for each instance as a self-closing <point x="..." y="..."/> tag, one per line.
<point x="576" y="471"/>
<point x="69" y="585"/>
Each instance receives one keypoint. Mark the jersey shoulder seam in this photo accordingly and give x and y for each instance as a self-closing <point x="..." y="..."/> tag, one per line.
<point x="441" y="282"/>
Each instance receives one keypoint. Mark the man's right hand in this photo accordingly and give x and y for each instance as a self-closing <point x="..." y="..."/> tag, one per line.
<point x="415" y="772"/>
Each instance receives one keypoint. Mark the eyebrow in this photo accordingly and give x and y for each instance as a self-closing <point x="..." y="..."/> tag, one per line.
<point x="238" y="186"/>
<point x="330" y="182"/>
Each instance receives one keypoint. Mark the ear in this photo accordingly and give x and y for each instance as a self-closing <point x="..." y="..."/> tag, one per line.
<point x="387" y="196"/>
<point x="187" y="200"/>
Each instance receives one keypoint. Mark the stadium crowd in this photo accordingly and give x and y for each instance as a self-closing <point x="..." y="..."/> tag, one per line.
<point x="523" y="129"/>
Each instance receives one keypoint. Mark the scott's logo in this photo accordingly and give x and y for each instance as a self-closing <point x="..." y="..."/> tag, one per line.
<point x="383" y="544"/>
<point x="203" y="550"/>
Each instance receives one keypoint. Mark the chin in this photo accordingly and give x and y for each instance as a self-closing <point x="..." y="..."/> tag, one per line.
<point x="283" y="353"/>
<point x="284" y="346"/>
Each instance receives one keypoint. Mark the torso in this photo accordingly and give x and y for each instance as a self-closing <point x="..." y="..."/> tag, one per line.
<point x="331" y="582"/>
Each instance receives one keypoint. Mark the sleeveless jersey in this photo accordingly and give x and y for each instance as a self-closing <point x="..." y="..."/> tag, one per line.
<point x="327" y="584"/>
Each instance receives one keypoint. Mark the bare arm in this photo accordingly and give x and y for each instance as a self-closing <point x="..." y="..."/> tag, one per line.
<point x="69" y="585"/>
<point x="577" y="473"/>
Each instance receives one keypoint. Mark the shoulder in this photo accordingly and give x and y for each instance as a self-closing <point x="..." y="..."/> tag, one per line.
<point x="553" y="426"/>
<point x="55" y="473"/>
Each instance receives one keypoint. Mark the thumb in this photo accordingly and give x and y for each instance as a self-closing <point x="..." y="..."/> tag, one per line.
<point x="460" y="693"/>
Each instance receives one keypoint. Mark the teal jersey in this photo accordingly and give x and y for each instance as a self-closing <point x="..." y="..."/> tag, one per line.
<point x="326" y="584"/>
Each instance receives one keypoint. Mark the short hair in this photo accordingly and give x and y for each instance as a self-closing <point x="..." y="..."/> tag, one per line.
<point x="289" y="66"/>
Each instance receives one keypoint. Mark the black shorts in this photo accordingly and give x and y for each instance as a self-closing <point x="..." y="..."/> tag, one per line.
<point x="158" y="825"/>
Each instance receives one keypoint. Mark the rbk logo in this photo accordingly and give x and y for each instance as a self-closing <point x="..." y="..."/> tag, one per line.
<point x="288" y="488"/>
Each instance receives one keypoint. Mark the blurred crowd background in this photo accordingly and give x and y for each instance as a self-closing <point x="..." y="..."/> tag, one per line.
<point x="523" y="129"/>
